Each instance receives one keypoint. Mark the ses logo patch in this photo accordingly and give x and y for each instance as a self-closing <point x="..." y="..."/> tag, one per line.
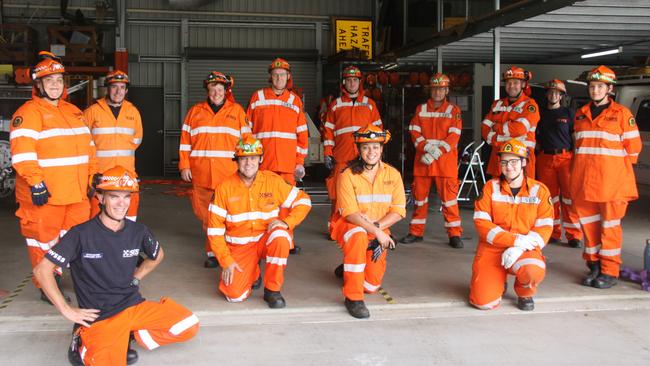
<point x="128" y="253"/>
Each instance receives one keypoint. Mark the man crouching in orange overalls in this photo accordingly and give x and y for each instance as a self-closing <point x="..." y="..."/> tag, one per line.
<point x="103" y="255"/>
<point x="370" y="199"/>
<point x="514" y="220"/>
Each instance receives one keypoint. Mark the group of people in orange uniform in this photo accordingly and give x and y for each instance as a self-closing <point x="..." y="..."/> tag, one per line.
<point x="77" y="190"/>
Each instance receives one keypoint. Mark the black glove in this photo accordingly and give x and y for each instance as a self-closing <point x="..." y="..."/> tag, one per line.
<point x="376" y="249"/>
<point x="40" y="194"/>
<point x="329" y="162"/>
<point x="95" y="179"/>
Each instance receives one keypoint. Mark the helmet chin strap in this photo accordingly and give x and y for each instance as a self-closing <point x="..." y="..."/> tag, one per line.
<point x="43" y="94"/>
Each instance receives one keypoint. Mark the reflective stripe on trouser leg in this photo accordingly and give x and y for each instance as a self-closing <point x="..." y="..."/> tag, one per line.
<point x="488" y="276"/>
<point x="447" y="189"/>
<point x="354" y="243"/>
<point x="529" y="270"/>
<point x="590" y="220"/>
<point x="161" y="323"/>
<point x="420" y="190"/>
<point x="374" y="272"/>
<point x="277" y="245"/>
<point x="611" y="237"/>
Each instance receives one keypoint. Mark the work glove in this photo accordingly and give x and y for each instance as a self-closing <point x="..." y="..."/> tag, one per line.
<point x="329" y="162"/>
<point x="430" y="146"/>
<point x="535" y="240"/>
<point x="427" y="158"/>
<point x="437" y="153"/>
<point x="93" y="181"/>
<point x="376" y="248"/>
<point x="299" y="172"/>
<point x="40" y="194"/>
<point x="524" y="242"/>
<point x="510" y="256"/>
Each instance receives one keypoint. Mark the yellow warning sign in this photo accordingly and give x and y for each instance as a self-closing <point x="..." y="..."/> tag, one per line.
<point x="351" y="34"/>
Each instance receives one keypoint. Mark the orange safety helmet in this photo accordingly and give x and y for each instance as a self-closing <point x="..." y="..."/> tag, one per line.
<point x="514" y="147"/>
<point x="279" y="63"/>
<point x="351" y="72"/>
<point x="249" y="146"/>
<point x="603" y="74"/>
<point x="217" y="77"/>
<point x="371" y="133"/>
<point x="49" y="65"/>
<point x="514" y="72"/>
<point x="118" y="178"/>
<point x="439" y="80"/>
<point x="556" y="84"/>
<point x="116" y="76"/>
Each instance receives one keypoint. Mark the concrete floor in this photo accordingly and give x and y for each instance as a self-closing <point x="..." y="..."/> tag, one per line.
<point x="429" y="323"/>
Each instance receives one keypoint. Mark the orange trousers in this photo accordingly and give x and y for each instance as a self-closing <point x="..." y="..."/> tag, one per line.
<point x="42" y="226"/>
<point x="275" y="247"/>
<point x="330" y="183"/>
<point x="601" y="223"/>
<point x="554" y="172"/>
<point x="447" y="189"/>
<point x="131" y="213"/>
<point x="488" y="276"/>
<point x="201" y="198"/>
<point x="360" y="273"/>
<point x="153" y="324"/>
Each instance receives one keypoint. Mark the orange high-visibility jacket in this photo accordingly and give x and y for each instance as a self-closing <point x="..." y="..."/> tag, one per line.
<point x="344" y="117"/>
<point x="355" y="193"/>
<point x="498" y="216"/>
<point x="52" y="144"/>
<point x="115" y="139"/>
<point x="507" y="120"/>
<point x="240" y="215"/>
<point x="605" y="149"/>
<point x="279" y="122"/>
<point x="442" y="125"/>
<point x="208" y="142"/>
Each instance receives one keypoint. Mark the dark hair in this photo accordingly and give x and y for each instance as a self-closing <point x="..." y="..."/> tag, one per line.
<point x="356" y="165"/>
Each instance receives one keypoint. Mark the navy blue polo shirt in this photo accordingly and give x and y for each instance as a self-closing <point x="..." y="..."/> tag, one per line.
<point x="102" y="263"/>
<point x="555" y="129"/>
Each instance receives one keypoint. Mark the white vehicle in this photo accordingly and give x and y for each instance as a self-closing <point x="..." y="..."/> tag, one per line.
<point x="7" y="176"/>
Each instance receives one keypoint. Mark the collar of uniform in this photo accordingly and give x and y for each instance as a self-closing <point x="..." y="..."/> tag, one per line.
<point x="260" y="177"/>
<point x="205" y="105"/>
<point x="431" y="108"/>
<point x="269" y="93"/>
<point x="42" y="102"/>
<point x="586" y="109"/>
<point x="104" y="104"/>
<point x="522" y="97"/>
<point x="105" y="228"/>
<point x="345" y="97"/>
<point x="380" y="170"/>
<point x="505" y="187"/>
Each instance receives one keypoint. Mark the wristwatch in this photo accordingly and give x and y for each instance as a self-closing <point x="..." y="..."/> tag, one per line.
<point x="135" y="282"/>
<point x="376" y="224"/>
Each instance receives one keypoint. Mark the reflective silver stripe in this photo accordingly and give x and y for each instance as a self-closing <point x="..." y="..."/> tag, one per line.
<point x="631" y="135"/>
<point x="524" y="121"/>
<point x="215" y="130"/>
<point x="610" y="252"/>
<point x="445" y="145"/>
<point x="328" y="143"/>
<point x="544" y="222"/>
<point x="597" y="135"/>
<point x="452" y="224"/>
<point x="72" y="160"/>
<point x="570" y="225"/>
<point x="421" y="203"/>
<point x="415" y="128"/>
<point x="148" y="341"/>
<point x="187" y="128"/>
<point x="217" y="210"/>
<point x="592" y="250"/>
<point x="589" y="219"/>
<point x="418" y="140"/>
<point x="340" y="103"/>
<point x="354" y="230"/>
<point x="301" y="128"/>
<point x="482" y="215"/>
<point x="377" y="122"/>
<point x="137" y="141"/>
<point x="185" y="147"/>
<point x="302" y="151"/>
<point x="450" y="203"/>
<point x="276" y="260"/>
<point x="506" y="129"/>
<point x="611" y="223"/>
<point x="493" y="233"/>
<point x="357" y="268"/>
<point x="557" y="222"/>
<point x="56" y="132"/>
<point x="253" y="215"/>
<point x="329" y="125"/>
<point x="418" y="221"/>
<point x="216" y="231"/>
<point x="278" y="102"/>
<point x="243" y="240"/>
<point x="488" y="123"/>
<point x="212" y="154"/>
<point x="343" y="130"/>
<point x="567" y="201"/>
<point x="303" y="202"/>
<point x="555" y="199"/>
<point x="280" y="135"/>
<point x="113" y="153"/>
<point x="43" y="246"/>
<point x="290" y="198"/>
<point x="490" y="305"/>
<point x="490" y="135"/>
<point x="528" y="262"/>
<point x="370" y="198"/>
<point x="240" y="298"/>
<point x="19" y="158"/>
<point x="112" y="131"/>
<point x="370" y="287"/>
<point x="277" y="234"/>
<point x="23" y="132"/>
<point x="454" y="130"/>
<point x="246" y="129"/>
<point x="184" y="325"/>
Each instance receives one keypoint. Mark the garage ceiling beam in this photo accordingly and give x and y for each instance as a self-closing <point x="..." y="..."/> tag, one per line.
<point x="199" y="53"/>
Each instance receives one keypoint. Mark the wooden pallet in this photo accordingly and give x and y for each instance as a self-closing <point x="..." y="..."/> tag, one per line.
<point x="86" y="52"/>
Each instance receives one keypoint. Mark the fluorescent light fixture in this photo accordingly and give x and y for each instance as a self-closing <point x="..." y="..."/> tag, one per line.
<point x="390" y="66"/>
<point x="613" y="51"/>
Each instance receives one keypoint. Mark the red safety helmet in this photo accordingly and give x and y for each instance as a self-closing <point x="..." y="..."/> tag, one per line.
<point x="249" y="146"/>
<point x="49" y="65"/>
<point x="220" y="78"/>
<point x="603" y="74"/>
<point x="279" y="63"/>
<point x="351" y="72"/>
<point x="116" y="76"/>
<point x="514" y="147"/>
<point x="439" y="80"/>
<point x="514" y="72"/>
<point x="556" y="84"/>
<point x="118" y="178"/>
<point x="371" y="133"/>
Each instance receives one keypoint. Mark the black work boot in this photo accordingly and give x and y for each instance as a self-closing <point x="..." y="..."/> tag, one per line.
<point x="604" y="281"/>
<point x="455" y="242"/>
<point x="357" y="309"/>
<point x="274" y="299"/>
<point x="257" y="283"/>
<point x="554" y="241"/>
<point x="296" y="249"/>
<point x="131" y="354"/>
<point x="73" y="350"/>
<point x="575" y="243"/>
<point x="525" y="303"/>
<point x="410" y="239"/>
<point x="594" y="271"/>
<point x="211" y="262"/>
<point x="338" y="272"/>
